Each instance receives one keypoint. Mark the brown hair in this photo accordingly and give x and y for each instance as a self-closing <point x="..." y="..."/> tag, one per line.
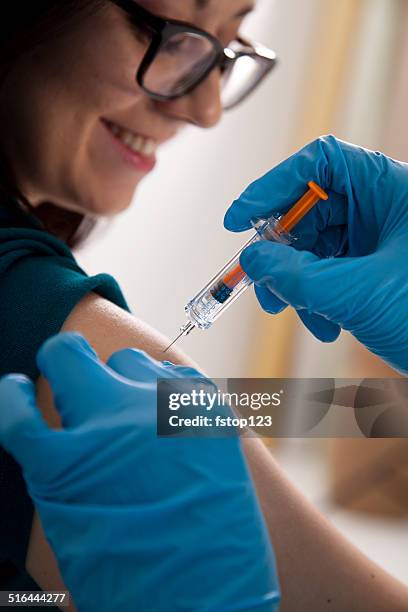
<point x="22" y="29"/>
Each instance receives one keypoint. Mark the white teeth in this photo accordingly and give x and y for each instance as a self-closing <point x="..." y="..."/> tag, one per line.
<point x="150" y="147"/>
<point x="127" y="138"/>
<point x="139" y="144"/>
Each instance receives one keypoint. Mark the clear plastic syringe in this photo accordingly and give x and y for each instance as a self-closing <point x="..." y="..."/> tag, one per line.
<point x="226" y="287"/>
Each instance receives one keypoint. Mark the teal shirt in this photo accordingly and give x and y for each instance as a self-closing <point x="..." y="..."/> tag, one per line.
<point x="40" y="284"/>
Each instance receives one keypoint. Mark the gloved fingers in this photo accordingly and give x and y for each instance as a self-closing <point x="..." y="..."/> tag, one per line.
<point x="268" y="300"/>
<point x="333" y="242"/>
<point x="81" y="384"/>
<point x="337" y="166"/>
<point x="183" y="371"/>
<point x="279" y="189"/>
<point x="329" y="287"/>
<point x="22" y="428"/>
<point x="324" y="229"/>
<point x="328" y="213"/>
<point x="323" y="329"/>
<point x="137" y="365"/>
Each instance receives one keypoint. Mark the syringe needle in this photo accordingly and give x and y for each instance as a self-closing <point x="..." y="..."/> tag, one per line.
<point x="174" y="342"/>
<point x="185" y="330"/>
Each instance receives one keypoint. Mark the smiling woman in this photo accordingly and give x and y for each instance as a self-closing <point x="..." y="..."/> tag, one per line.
<point x="61" y="152"/>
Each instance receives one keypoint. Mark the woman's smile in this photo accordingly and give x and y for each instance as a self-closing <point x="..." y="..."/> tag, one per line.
<point x="135" y="149"/>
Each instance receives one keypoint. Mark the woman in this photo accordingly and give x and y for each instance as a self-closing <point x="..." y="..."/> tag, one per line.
<point x="78" y="135"/>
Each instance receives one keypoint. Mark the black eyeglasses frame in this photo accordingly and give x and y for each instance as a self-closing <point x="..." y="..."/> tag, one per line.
<point x="163" y="29"/>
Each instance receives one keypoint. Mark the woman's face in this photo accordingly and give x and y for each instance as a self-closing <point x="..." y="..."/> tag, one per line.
<point x="58" y="103"/>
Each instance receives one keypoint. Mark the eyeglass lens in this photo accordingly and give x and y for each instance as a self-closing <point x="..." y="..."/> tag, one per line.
<point x="240" y="78"/>
<point x="183" y="59"/>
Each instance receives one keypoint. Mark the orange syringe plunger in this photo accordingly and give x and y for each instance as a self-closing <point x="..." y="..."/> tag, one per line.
<point x="302" y="207"/>
<point x="284" y="226"/>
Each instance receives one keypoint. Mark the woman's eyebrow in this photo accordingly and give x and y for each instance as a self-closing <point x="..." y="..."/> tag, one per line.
<point x="245" y="11"/>
<point x="202" y="4"/>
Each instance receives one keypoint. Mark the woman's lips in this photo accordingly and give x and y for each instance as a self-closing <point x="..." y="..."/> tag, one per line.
<point x="125" y="143"/>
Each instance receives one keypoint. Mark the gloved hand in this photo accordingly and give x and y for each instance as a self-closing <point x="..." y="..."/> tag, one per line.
<point x="349" y="268"/>
<point x="136" y="522"/>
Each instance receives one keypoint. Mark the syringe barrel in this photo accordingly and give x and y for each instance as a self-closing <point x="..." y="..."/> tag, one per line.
<point x="226" y="287"/>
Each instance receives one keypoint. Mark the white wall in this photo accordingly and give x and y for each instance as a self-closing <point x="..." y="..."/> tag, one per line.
<point x="168" y="244"/>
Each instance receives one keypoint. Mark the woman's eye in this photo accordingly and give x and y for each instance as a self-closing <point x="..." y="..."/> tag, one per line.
<point x="176" y="45"/>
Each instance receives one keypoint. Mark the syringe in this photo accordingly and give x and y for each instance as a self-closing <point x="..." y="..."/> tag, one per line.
<point x="226" y="287"/>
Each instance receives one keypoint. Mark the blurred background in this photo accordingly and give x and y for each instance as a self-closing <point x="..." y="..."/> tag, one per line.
<point x="343" y="70"/>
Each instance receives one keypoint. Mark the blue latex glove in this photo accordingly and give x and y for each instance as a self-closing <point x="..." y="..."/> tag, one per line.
<point x="136" y="522"/>
<point x="349" y="268"/>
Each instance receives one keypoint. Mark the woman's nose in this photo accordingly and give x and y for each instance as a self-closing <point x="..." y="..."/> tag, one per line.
<point x="201" y="107"/>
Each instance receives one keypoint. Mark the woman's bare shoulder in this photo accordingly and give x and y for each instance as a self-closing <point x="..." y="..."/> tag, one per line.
<point x="109" y="328"/>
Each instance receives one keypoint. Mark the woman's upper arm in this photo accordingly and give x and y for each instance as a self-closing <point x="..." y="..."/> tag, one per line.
<point x="109" y="328"/>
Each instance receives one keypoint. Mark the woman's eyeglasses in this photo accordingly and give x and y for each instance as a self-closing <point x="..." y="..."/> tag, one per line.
<point x="180" y="56"/>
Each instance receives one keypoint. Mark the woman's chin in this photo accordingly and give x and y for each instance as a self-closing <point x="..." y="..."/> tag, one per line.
<point x="110" y="203"/>
<point x="112" y="208"/>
